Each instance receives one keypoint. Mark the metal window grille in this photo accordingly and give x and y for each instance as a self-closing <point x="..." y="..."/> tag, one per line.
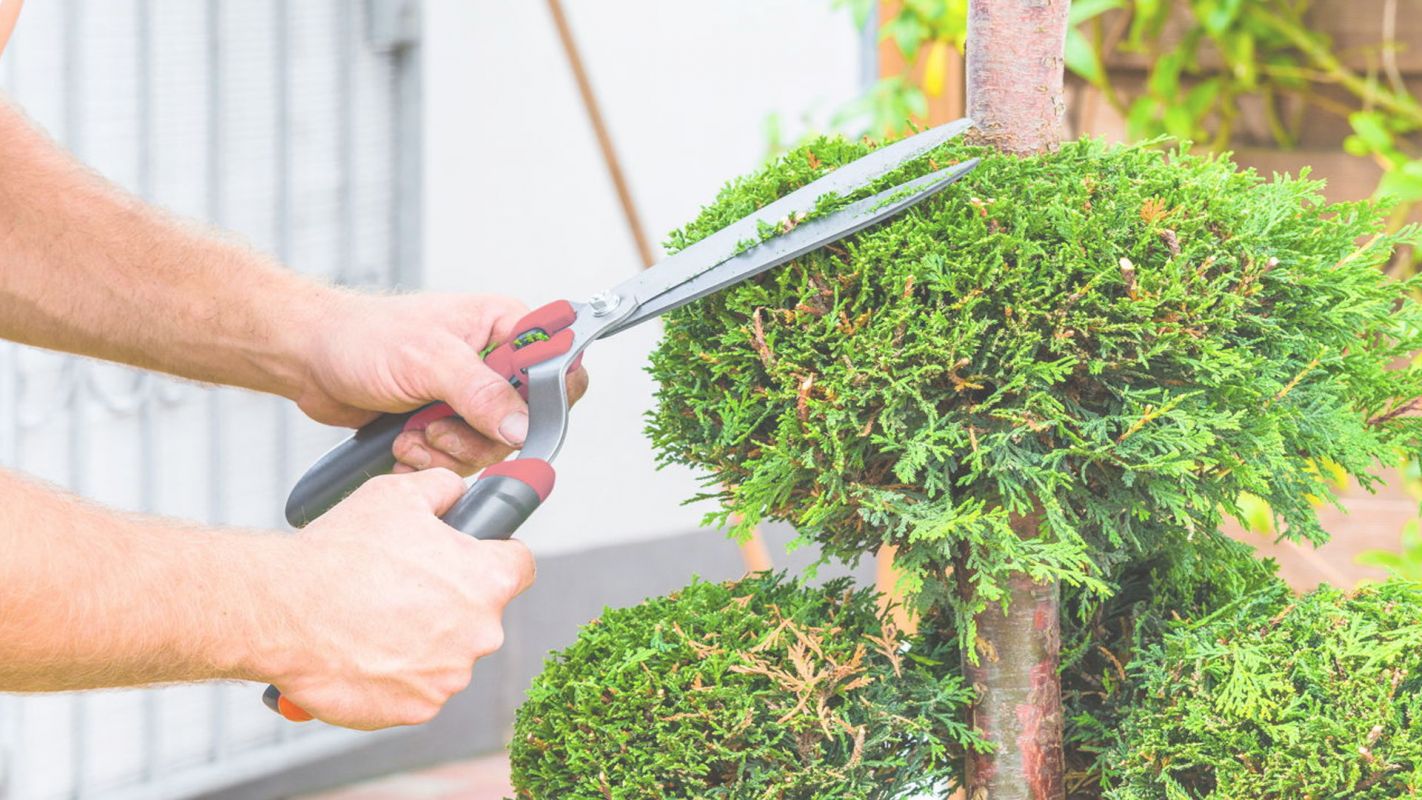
<point x="290" y="123"/>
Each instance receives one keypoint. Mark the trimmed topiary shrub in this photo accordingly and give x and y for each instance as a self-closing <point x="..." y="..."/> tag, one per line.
<point x="1064" y="370"/>
<point x="1113" y="341"/>
<point x="1278" y="698"/>
<point x="760" y="688"/>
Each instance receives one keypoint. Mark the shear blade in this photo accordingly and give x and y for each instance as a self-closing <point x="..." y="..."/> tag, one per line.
<point x="805" y="238"/>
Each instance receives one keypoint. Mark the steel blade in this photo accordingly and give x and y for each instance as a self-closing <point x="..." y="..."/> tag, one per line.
<point x="803" y="239"/>
<point x="721" y="245"/>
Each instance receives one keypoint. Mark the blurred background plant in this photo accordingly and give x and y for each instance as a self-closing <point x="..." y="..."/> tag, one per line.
<point x="1225" y="74"/>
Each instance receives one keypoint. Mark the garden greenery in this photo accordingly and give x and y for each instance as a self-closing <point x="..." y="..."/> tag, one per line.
<point x="761" y="688"/>
<point x="1116" y="341"/>
<point x="1205" y="60"/>
<point x="725" y="690"/>
<point x="1275" y="697"/>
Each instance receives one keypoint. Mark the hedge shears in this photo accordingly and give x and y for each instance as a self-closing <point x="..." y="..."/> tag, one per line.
<point x="549" y="341"/>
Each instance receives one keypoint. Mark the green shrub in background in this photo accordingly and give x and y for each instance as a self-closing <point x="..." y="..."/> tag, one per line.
<point x="761" y="688"/>
<point x="1207" y="59"/>
<point x="1278" y="698"/>
<point x="687" y="696"/>
<point x="1117" y="339"/>
<point x="1103" y="639"/>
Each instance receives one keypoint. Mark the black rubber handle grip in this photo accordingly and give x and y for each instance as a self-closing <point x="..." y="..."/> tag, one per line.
<point x="349" y="464"/>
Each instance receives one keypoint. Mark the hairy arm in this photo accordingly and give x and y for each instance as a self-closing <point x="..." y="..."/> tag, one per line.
<point x="93" y="598"/>
<point x="88" y="269"/>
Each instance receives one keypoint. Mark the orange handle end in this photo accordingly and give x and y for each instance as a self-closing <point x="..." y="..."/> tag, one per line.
<point x="292" y="711"/>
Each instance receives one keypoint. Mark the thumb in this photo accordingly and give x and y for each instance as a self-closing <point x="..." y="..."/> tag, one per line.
<point x="488" y="403"/>
<point x="436" y="489"/>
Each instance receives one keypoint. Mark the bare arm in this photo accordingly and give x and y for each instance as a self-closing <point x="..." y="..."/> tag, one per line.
<point x="86" y="268"/>
<point x="93" y="598"/>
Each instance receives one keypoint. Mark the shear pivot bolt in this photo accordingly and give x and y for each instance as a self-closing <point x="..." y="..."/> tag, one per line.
<point x="604" y="303"/>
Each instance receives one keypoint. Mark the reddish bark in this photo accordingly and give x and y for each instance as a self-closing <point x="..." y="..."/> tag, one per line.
<point x="1019" y="702"/>
<point x="1014" y="65"/>
<point x="1014" y="73"/>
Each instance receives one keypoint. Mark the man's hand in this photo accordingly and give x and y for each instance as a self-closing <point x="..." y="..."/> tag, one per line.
<point x="370" y="617"/>
<point x="88" y="269"/>
<point x="390" y="354"/>
<point x="403" y="608"/>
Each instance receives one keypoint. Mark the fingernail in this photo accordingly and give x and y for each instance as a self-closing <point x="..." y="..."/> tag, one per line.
<point x="514" y="428"/>
<point x="417" y="457"/>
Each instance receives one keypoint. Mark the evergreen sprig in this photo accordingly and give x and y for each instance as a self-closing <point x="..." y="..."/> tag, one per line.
<point x="1119" y="340"/>
<point x="761" y="688"/>
<point x="1276" y="698"/>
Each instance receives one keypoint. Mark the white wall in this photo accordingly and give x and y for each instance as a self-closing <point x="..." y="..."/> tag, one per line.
<point x="517" y="200"/>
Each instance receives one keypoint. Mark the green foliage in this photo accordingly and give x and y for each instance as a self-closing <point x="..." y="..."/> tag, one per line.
<point x="761" y="688"/>
<point x="1101" y="640"/>
<point x="1219" y="52"/>
<point x="1278" y="698"/>
<point x="1114" y="340"/>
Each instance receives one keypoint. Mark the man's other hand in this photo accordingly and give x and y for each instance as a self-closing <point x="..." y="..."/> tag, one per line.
<point x="403" y="607"/>
<point x="371" y="354"/>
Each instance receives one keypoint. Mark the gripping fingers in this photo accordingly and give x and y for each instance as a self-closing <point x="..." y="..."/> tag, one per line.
<point x="449" y="444"/>
<point x="489" y="404"/>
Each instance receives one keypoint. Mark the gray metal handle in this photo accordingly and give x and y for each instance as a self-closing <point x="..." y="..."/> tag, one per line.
<point x="348" y="465"/>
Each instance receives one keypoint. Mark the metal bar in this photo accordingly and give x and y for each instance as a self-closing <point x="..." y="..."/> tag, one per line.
<point x="147" y="422"/>
<point x="347" y="121"/>
<point x="77" y="450"/>
<point x="407" y="251"/>
<point x="217" y="511"/>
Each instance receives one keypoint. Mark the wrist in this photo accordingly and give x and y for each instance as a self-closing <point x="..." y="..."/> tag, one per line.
<point x="304" y="329"/>
<point x="263" y="643"/>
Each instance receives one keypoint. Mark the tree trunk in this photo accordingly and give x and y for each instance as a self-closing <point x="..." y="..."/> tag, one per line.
<point x="1014" y="71"/>
<point x="1014" y="57"/>
<point x="1018" y="707"/>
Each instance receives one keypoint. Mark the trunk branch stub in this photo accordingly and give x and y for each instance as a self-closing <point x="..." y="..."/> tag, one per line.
<point x="1014" y="66"/>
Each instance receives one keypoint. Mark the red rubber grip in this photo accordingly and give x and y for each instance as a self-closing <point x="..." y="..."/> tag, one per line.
<point x="535" y="472"/>
<point x="423" y="419"/>
<point x="553" y="317"/>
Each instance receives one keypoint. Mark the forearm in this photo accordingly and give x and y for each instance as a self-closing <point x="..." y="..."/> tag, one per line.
<point x="93" y="598"/>
<point x="86" y="268"/>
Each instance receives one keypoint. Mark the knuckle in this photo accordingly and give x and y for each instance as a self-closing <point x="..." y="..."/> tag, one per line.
<point x="457" y="682"/>
<point x="383" y="485"/>
<point x="418" y="713"/>
<point x="489" y="392"/>
<point x="522" y="566"/>
<point x="488" y="639"/>
<point x="448" y="479"/>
